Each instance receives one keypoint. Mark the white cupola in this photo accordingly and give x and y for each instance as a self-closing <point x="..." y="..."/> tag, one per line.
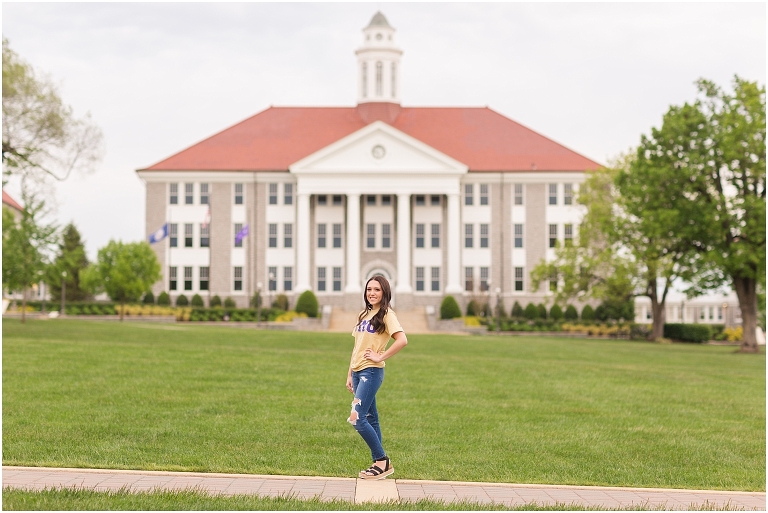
<point x="378" y="63"/>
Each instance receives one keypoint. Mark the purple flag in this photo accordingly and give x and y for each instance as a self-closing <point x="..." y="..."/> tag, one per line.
<point x="241" y="234"/>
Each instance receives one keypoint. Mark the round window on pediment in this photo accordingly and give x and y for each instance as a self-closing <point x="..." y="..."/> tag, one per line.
<point x="378" y="37"/>
<point x="378" y="152"/>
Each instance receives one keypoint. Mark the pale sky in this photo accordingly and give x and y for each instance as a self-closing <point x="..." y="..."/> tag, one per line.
<point x="158" y="78"/>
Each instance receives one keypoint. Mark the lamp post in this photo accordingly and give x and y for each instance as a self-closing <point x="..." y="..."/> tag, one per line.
<point x="258" y="303"/>
<point x="63" y="290"/>
<point x="488" y="290"/>
<point x="498" y="310"/>
<point x="271" y="279"/>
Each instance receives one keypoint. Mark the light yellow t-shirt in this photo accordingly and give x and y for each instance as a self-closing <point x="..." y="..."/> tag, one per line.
<point x="367" y="338"/>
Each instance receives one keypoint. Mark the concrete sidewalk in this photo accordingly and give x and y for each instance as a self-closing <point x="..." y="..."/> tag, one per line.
<point x="359" y="491"/>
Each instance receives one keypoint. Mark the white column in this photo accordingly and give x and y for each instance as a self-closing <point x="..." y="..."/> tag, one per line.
<point x="353" y="244"/>
<point x="453" y="236"/>
<point x="303" y="243"/>
<point x="404" y="243"/>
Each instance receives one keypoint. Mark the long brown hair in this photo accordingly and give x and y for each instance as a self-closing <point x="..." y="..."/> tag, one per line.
<point x="377" y="322"/>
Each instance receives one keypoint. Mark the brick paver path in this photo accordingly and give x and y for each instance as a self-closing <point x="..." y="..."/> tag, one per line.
<point x="357" y="490"/>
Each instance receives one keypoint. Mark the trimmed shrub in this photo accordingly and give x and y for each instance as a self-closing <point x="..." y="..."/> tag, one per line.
<point x="587" y="313"/>
<point x="556" y="313"/>
<point x="571" y="314"/>
<point x="149" y="298"/>
<point x="164" y="299"/>
<point x="601" y="313"/>
<point x="517" y="310"/>
<point x="541" y="311"/>
<point x="281" y="302"/>
<point x="182" y="300"/>
<point x="215" y="302"/>
<point x="229" y="303"/>
<point x="256" y="300"/>
<point x="197" y="301"/>
<point x="486" y="310"/>
<point x="688" y="332"/>
<point x="307" y="303"/>
<point x="472" y="308"/>
<point x="530" y="312"/>
<point x="449" y="308"/>
<point x="499" y="310"/>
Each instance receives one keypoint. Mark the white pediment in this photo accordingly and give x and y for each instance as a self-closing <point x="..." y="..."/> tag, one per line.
<point x="378" y="148"/>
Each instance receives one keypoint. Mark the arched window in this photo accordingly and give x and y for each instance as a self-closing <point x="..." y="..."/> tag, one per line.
<point x="365" y="79"/>
<point x="379" y="78"/>
<point x="394" y="81"/>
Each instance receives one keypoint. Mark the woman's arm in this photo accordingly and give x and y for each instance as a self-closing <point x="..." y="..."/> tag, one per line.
<point x="400" y="342"/>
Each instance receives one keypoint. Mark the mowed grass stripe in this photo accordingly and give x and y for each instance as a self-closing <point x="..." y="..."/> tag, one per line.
<point x="502" y="409"/>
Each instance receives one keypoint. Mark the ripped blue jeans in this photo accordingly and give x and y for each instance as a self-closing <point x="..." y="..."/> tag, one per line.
<point x="364" y="416"/>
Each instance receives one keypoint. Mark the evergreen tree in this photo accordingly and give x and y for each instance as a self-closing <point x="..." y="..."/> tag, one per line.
<point x="571" y="314"/>
<point x="71" y="258"/>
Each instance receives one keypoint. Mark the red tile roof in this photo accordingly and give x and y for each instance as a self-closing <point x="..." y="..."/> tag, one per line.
<point x="277" y="137"/>
<point x="7" y="200"/>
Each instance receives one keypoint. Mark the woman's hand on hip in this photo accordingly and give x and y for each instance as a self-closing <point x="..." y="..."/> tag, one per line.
<point x="349" y="385"/>
<point x="371" y="355"/>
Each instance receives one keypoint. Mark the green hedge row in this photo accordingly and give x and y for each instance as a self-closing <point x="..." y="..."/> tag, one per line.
<point x="688" y="332"/>
<point x="234" y="314"/>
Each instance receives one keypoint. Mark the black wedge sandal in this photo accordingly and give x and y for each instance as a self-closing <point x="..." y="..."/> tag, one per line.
<point x="373" y="472"/>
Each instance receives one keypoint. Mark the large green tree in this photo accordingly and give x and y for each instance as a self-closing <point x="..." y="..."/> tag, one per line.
<point x="71" y="258"/>
<point x="704" y="171"/>
<point x="124" y="271"/>
<point x="41" y="135"/>
<point x="26" y="244"/>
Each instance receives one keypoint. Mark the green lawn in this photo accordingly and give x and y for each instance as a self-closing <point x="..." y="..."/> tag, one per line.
<point x="506" y="409"/>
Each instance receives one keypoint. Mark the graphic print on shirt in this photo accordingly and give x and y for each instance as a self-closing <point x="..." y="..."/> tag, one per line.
<point x="366" y="326"/>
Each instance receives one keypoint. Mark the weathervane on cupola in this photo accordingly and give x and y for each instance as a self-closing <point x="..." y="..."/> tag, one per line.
<point x="378" y="63"/>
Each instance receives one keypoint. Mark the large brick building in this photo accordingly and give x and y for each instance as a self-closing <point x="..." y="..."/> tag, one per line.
<point x="450" y="200"/>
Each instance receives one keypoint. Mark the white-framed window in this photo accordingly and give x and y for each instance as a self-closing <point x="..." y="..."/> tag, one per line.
<point x="174" y="194"/>
<point x="386" y="236"/>
<point x="469" y="194"/>
<point x="364" y="78"/>
<point x="419" y="235"/>
<point x="518" y="194"/>
<point x="420" y="200"/>
<point x="238" y="242"/>
<point x="484" y="279"/>
<point x="435" y="235"/>
<point x="719" y="313"/>
<point x="321" y="279"/>
<point x="337" y="200"/>
<point x="518" y="279"/>
<point x="419" y="279"/>
<point x="272" y="277"/>
<point x="188" y="278"/>
<point x="469" y="279"/>
<point x="370" y="200"/>
<point x="337" y="235"/>
<point x="288" y="235"/>
<point x="287" y="279"/>
<point x="174" y="235"/>
<point x="434" y="200"/>
<point x="204" y="194"/>
<point x="189" y="193"/>
<point x="204" y="273"/>
<point x="394" y="80"/>
<point x="337" y="279"/>
<point x="484" y="229"/>
<point x="172" y="276"/>
<point x="386" y="200"/>
<point x="518" y="235"/>
<point x="552" y="235"/>
<point x="238" y="194"/>
<point x="568" y="234"/>
<point x="273" y="194"/>
<point x="321" y="235"/>
<point x="469" y="239"/>
<point x="483" y="193"/>
<point x="188" y="235"/>
<point x="272" y="235"/>
<point x="205" y="238"/>
<point x="322" y="199"/>
<point x="370" y="239"/>
<point x="238" y="275"/>
<point x="553" y="194"/>
<point x="379" y="78"/>
<point x="435" y="279"/>
<point x="568" y="194"/>
<point x="288" y="194"/>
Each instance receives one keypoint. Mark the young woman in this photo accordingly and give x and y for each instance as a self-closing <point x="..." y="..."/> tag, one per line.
<point x="375" y="326"/>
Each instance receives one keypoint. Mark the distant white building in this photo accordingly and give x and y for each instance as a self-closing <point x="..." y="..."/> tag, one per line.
<point x="440" y="200"/>
<point x="709" y="309"/>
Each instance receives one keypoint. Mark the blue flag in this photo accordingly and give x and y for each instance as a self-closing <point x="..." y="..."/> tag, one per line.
<point x="241" y="234"/>
<point x="159" y="234"/>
